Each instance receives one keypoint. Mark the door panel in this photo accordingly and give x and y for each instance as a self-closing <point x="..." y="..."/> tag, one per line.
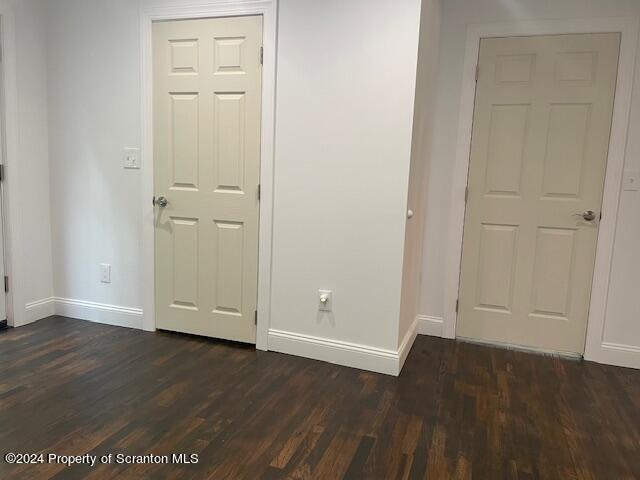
<point x="497" y="257"/>
<point x="565" y="158"/>
<point x="206" y="162"/>
<point x="540" y="141"/>
<point x="230" y="119"/>
<point x="229" y="259"/>
<point x="184" y="140"/>
<point x="186" y="259"/>
<point x="504" y="163"/>
<point x="553" y="269"/>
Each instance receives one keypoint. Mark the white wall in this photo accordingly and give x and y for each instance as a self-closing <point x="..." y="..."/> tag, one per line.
<point x="28" y="212"/>
<point x="622" y="321"/>
<point x="346" y="83"/>
<point x="94" y="112"/>
<point x="423" y="124"/>
<point x="341" y="172"/>
<point x="345" y="97"/>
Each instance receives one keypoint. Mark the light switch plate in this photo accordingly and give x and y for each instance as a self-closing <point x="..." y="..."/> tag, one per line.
<point x="631" y="181"/>
<point x="131" y="158"/>
<point x="105" y="273"/>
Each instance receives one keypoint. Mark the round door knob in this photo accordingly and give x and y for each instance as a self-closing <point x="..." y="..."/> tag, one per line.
<point x="161" y="201"/>
<point x="588" y="216"/>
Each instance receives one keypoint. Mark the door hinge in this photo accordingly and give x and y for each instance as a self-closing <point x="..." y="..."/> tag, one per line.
<point x="6" y="284"/>
<point x="255" y="318"/>
<point x="477" y="72"/>
<point x="457" y="305"/>
<point x="1" y="173"/>
<point x="261" y="55"/>
<point x="259" y="192"/>
<point x="466" y="195"/>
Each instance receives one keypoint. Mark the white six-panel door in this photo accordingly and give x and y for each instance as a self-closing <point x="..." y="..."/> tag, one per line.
<point x="540" y="141"/>
<point x="207" y="97"/>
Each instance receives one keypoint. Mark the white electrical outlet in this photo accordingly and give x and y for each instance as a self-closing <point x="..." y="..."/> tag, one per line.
<point x="131" y="158"/>
<point x="105" y="273"/>
<point x="325" y="300"/>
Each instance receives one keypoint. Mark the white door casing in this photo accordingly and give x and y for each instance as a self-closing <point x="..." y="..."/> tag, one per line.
<point x="540" y="142"/>
<point x="3" y="296"/>
<point x="207" y="101"/>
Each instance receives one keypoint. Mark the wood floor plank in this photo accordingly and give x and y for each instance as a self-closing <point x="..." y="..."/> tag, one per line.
<point x="458" y="411"/>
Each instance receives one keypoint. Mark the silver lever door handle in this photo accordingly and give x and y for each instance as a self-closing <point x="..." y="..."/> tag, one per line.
<point x="160" y="201"/>
<point x="588" y="216"/>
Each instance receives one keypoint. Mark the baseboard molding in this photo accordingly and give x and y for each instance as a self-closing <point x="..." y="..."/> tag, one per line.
<point x="388" y="362"/>
<point x="407" y="344"/>
<point x="616" y="354"/>
<point x="378" y="360"/>
<point x="432" y="326"/>
<point x="99" y="312"/>
<point x="38" y="310"/>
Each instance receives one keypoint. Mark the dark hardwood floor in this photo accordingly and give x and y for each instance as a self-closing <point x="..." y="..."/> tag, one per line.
<point x="457" y="411"/>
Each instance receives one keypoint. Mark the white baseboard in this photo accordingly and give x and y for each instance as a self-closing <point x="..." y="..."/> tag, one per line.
<point x="38" y="310"/>
<point x="99" y="312"/>
<point x="608" y="353"/>
<point x="432" y="326"/>
<point x="616" y="354"/>
<point x="374" y="359"/>
<point x="333" y="351"/>
<point x="407" y="344"/>
<point x="82" y="310"/>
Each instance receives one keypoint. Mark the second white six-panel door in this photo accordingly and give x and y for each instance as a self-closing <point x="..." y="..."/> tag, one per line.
<point x="207" y="96"/>
<point x="539" y="152"/>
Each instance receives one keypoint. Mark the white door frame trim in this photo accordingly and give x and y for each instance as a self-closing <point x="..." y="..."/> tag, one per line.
<point x="628" y="27"/>
<point x="16" y="312"/>
<point x="211" y="9"/>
